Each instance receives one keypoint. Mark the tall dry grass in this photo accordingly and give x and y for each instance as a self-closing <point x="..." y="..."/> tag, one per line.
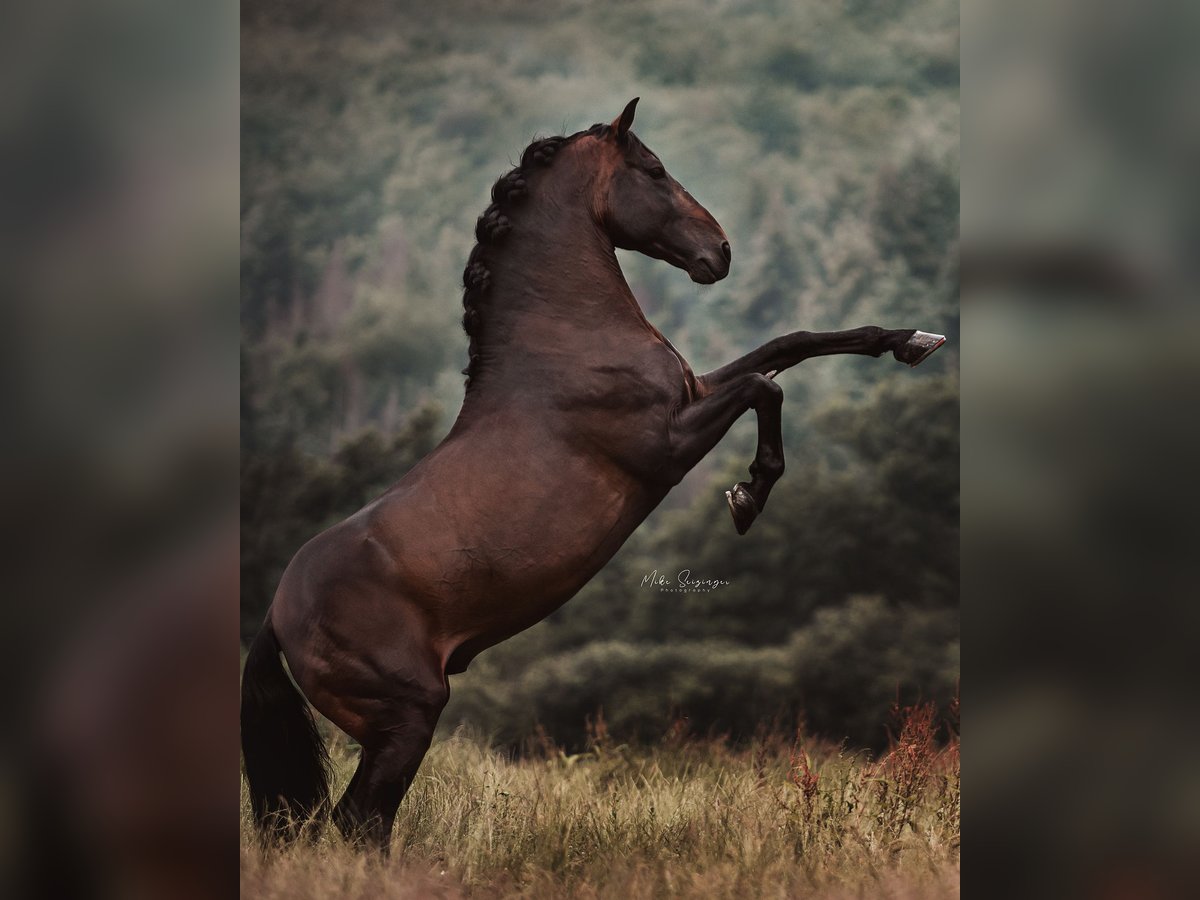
<point x="685" y="818"/>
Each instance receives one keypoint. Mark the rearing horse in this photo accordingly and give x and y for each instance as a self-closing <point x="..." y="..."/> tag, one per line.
<point x="579" y="417"/>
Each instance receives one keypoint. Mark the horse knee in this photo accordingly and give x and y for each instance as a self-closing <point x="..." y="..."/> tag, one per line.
<point x="767" y="392"/>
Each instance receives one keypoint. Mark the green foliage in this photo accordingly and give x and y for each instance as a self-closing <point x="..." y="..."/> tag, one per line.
<point x="915" y="215"/>
<point x="792" y="65"/>
<point x="857" y="660"/>
<point x="824" y="139"/>
<point x="770" y="114"/>
<point x="839" y="675"/>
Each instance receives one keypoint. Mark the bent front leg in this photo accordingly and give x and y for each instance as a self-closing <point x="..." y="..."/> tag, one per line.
<point x="908" y="346"/>
<point x="696" y="428"/>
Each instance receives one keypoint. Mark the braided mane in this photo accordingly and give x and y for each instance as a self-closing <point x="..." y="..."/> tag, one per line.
<point x="494" y="224"/>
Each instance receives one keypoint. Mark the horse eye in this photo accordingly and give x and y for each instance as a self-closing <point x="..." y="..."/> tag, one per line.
<point x="658" y="172"/>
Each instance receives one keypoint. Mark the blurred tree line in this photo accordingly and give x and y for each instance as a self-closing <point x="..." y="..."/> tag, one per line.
<point x="822" y="136"/>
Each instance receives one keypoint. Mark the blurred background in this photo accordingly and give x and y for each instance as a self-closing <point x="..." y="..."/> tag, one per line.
<point x="1080" y="134"/>
<point x="823" y="137"/>
<point x="119" y="449"/>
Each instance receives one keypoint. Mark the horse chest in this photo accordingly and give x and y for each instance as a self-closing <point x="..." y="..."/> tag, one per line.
<point x="623" y="407"/>
<point x="646" y="383"/>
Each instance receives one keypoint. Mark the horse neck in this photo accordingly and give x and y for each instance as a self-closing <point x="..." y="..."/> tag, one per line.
<point x="556" y="285"/>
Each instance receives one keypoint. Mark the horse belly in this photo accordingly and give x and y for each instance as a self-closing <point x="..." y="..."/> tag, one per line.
<point x="490" y="560"/>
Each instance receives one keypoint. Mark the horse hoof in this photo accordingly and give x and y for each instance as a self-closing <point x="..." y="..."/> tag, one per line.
<point x="919" y="347"/>
<point x="742" y="506"/>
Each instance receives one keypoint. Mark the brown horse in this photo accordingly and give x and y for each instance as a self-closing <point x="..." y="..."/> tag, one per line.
<point x="579" y="417"/>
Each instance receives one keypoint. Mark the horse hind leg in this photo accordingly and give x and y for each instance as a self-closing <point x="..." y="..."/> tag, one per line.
<point x="391" y="754"/>
<point x="344" y="814"/>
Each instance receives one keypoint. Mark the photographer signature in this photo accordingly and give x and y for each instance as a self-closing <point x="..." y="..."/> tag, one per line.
<point x="684" y="581"/>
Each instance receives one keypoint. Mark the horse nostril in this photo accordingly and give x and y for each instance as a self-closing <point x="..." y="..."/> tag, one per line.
<point x="727" y="250"/>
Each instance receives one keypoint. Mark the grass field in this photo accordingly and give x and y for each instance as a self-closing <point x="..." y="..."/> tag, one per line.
<point x="684" y="818"/>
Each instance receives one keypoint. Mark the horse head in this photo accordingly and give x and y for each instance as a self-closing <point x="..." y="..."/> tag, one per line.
<point x="643" y="208"/>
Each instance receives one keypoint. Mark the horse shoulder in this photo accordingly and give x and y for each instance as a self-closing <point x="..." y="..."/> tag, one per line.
<point x="646" y="380"/>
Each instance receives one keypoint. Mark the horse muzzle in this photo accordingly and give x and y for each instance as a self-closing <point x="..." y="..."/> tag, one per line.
<point x="710" y="268"/>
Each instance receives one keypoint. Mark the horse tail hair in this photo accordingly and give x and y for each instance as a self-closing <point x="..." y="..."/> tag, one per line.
<point x="286" y="763"/>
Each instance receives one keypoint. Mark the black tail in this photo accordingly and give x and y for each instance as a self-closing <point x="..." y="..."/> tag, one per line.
<point x="287" y="766"/>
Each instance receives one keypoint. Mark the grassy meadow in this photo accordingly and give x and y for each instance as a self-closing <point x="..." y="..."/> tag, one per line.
<point x="780" y="817"/>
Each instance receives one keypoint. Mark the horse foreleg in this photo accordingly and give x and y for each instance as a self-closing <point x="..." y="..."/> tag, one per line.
<point x="906" y="345"/>
<point x="746" y="501"/>
<point x="695" y="429"/>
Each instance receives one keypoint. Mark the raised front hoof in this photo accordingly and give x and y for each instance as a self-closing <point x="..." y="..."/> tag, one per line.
<point x="919" y="347"/>
<point x="742" y="507"/>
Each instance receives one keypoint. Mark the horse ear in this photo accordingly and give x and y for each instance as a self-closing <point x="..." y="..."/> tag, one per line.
<point x="620" y="125"/>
